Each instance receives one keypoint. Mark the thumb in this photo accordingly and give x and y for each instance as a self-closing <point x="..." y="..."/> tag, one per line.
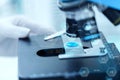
<point x="13" y="31"/>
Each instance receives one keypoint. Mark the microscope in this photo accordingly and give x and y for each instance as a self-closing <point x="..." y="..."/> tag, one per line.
<point x="80" y="52"/>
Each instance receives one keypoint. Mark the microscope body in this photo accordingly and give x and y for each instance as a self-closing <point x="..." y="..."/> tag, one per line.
<point x="81" y="24"/>
<point x="81" y="21"/>
<point x="74" y="55"/>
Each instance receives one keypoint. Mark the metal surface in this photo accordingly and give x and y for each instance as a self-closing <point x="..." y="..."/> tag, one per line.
<point x="78" y="51"/>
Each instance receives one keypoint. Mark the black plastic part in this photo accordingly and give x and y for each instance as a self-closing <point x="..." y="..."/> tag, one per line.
<point x="50" y="52"/>
<point x="113" y="15"/>
<point x="72" y="26"/>
<point x="78" y="28"/>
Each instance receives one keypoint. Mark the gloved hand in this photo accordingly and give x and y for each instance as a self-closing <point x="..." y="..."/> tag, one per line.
<point x="17" y="27"/>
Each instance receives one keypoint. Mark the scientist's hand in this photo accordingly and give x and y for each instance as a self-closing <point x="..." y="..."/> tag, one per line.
<point x="20" y="27"/>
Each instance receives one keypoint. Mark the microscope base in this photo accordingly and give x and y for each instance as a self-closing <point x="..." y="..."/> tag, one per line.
<point x="49" y="67"/>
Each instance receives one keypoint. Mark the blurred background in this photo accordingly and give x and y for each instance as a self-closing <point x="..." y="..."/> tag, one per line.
<point x="44" y="12"/>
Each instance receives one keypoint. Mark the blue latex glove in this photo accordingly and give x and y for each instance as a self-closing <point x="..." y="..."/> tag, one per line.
<point x="111" y="3"/>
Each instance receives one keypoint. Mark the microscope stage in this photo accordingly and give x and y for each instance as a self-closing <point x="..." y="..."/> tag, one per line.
<point x="38" y="60"/>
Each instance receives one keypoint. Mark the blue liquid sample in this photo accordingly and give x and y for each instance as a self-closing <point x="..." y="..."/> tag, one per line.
<point x="72" y="44"/>
<point x="68" y="0"/>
